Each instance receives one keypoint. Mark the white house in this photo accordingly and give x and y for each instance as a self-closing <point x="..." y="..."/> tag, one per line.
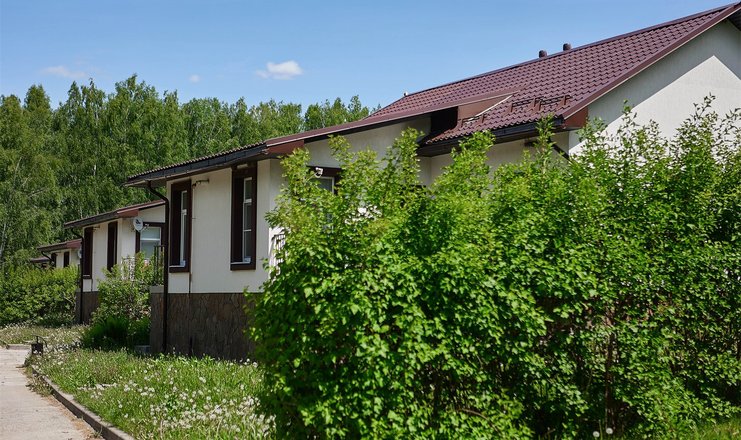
<point x="62" y="254"/>
<point x="218" y="236"/>
<point x="111" y="238"/>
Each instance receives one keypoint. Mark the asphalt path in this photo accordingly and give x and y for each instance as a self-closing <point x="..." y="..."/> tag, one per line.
<point x="26" y="415"/>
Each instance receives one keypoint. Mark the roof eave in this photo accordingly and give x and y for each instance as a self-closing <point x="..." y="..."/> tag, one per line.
<point x="159" y="178"/>
<point x="125" y="212"/>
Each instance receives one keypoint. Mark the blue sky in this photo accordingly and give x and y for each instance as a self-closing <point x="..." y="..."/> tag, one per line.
<point x="297" y="51"/>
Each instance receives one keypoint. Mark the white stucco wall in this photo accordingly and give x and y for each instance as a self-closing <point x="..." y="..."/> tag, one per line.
<point x="210" y="255"/>
<point x="499" y="153"/>
<point x="211" y="216"/>
<point x="125" y="245"/>
<point x="667" y="91"/>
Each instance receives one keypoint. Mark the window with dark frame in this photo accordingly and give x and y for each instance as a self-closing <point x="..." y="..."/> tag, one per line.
<point x="112" y="256"/>
<point x="327" y="177"/>
<point x="65" y="259"/>
<point x="149" y="239"/>
<point x="53" y="259"/>
<point x="244" y="219"/>
<point x="180" y="226"/>
<point x="87" y="253"/>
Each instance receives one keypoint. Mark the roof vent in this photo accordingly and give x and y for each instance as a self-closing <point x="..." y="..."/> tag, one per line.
<point x="567" y="46"/>
<point x="542" y="54"/>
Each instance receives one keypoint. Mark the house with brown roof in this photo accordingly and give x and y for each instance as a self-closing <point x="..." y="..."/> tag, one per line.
<point x="112" y="238"/>
<point x="217" y="234"/>
<point x="62" y="254"/>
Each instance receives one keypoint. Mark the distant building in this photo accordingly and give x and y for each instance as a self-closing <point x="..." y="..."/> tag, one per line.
<point x="111" y="238"/>
<point x="62" y="254"/>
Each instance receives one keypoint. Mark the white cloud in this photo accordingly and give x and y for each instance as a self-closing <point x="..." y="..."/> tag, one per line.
<point x="284" y="70"/>
<point x="64" y="72"/>
<point x="194" y="78"/>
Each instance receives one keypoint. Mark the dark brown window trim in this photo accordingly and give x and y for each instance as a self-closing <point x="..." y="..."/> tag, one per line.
<point x="238" y="176"/>
<point x="174" y="239"/>
<point x="87" y="253"/>
<point x="112" y="251"/>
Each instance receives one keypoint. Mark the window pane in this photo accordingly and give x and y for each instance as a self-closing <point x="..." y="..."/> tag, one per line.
<point x="246" y="246"/>
<point x="247" y="216"/>
<point x="325" y="183"/>
<point x="183" y="232"/>
<point x="150" y="233"/>
<point x="147" y="248"/>
<point x="248" y="189"/>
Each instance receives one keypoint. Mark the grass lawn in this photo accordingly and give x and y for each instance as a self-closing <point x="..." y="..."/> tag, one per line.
<point x="171" y="397"/>
<point x="162" y="397"/>
<point x="167" y="397"/>
<point x="55" y="337"/>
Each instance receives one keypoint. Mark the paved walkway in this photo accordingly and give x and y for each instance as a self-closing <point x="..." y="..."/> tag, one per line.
<point x="27" y="415"/>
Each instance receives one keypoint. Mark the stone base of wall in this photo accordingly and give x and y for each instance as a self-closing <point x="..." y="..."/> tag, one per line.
<point x="85" y="304"/>
<point x="199" y="324"/>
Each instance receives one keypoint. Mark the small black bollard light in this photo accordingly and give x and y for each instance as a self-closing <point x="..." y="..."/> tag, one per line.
<point x="37" y="347"/>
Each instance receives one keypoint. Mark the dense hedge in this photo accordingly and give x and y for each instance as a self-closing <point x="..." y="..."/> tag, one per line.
<point x="31" y="294"/>
<point x="546" y="298"/>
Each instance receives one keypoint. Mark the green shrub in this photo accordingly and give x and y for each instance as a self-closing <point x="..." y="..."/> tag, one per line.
<point x="110" y="333"/>
<point x="544" y="298"/>
<point x="125" y="291"/>
<point x="38" y="295"/>
<point x="115" y="332"/>
<point x="138" y="333"/>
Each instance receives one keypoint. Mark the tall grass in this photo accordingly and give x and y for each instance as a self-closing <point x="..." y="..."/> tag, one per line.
<point x="167" y="397"/>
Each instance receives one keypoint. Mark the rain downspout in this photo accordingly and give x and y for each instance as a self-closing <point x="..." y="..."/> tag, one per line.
<point x="165" y="263"/>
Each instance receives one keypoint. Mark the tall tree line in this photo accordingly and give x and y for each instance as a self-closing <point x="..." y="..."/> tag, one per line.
<point x="67" y="163"/>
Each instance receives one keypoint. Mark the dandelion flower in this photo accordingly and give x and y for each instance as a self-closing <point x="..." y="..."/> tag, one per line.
<point x="609" y="431"/>
<point x="595" y="434"/>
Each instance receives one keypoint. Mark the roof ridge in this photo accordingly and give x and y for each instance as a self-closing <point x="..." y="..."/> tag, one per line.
<point x="592" y="44"/>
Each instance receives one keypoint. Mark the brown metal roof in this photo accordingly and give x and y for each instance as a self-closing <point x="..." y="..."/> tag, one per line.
<point x="69" y="244"/>
<point x="125" y="212"/>
<point x="565" y="82"/>
<point x="562" y="84"/>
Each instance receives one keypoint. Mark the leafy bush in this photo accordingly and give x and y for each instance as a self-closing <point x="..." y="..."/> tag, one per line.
<point x="544" y="298"/>
<point x="122" y="318"/>
<point x="125" y="291"/>
<point x="43" y="296"/>
<point x="115" y="332"/>
<point x="109" y="333"/>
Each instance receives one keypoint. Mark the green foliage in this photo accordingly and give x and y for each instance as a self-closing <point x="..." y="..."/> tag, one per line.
<point x="122" y="318"/>
<point x="43" y="296"/>
<point x="109" y="333"/>
<point x="326" y="114"/>
<point x="28" y="185"/>
<point x="544" y="298"/>
<point x="125" y="291"/>
<point x="67" y="163"/>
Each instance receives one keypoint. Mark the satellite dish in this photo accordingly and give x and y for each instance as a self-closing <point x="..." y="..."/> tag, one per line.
<point x="138" y="224"/>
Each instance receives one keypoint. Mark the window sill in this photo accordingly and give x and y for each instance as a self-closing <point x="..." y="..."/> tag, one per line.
<point x="242" y="266"/>
<point x="176" y="269"/>
<point x="87" y="277"/>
